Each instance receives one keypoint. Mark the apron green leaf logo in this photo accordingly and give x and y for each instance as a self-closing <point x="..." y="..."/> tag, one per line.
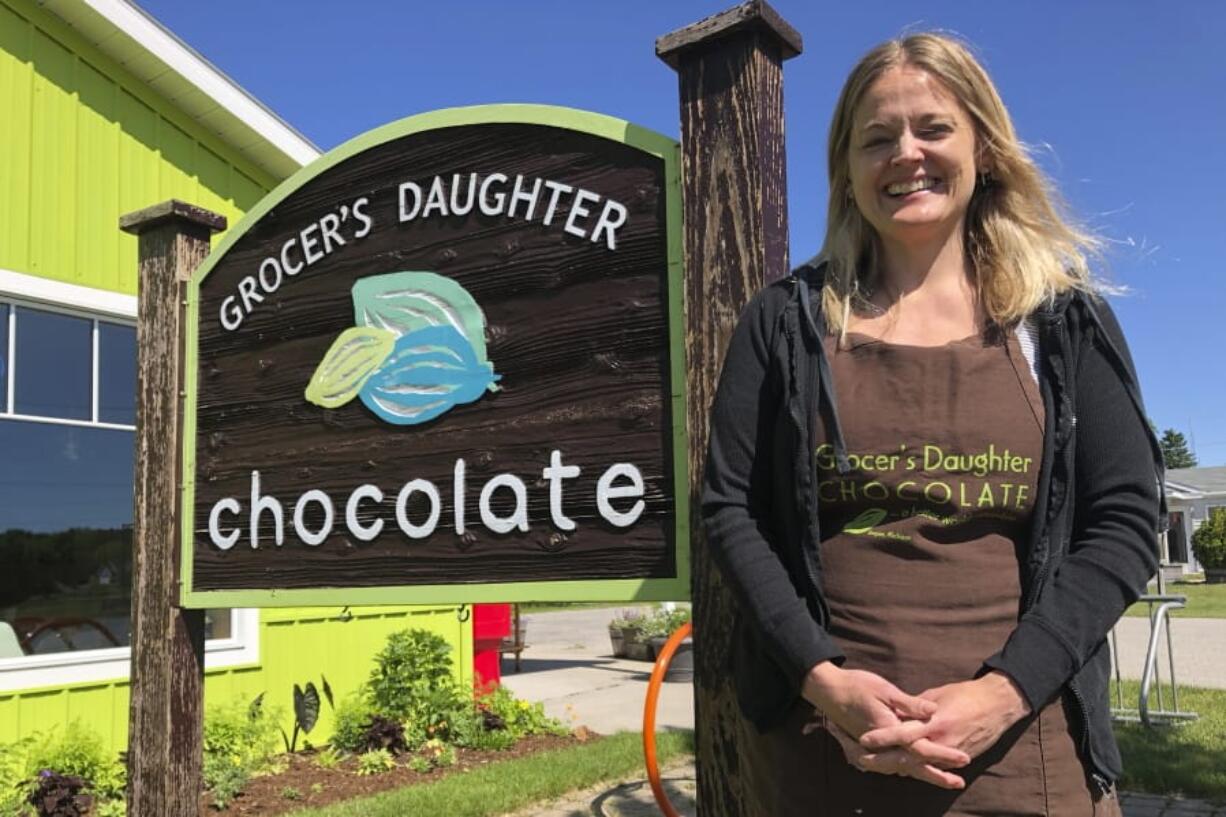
<point x="865" y="521"/>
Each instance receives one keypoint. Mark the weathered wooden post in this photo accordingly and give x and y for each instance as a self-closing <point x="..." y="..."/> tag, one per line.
<point x="734" y="196"/>
<point x="165" y="731"/>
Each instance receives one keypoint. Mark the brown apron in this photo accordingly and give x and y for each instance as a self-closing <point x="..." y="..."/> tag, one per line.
<point x="921" y="576"/>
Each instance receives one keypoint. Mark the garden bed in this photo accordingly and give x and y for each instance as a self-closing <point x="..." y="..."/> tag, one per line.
<point x="304" y="783"/>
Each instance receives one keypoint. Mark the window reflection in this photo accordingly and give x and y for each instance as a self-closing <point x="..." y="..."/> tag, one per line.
<point x="116" y="374"/>
<point x="65" y="535"/>
<point x="53" y="364"/>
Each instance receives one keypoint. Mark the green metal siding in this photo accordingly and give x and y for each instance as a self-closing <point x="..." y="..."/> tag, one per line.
<point x="296" y="646"/>
<point x="84" y="142"/>
<point x="81" y="143"/>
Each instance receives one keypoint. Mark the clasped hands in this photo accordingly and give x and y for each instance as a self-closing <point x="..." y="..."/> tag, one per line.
<point x="885" y="730"/>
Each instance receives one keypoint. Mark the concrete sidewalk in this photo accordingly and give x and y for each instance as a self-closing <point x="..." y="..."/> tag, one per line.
<point x="569" y="667"/>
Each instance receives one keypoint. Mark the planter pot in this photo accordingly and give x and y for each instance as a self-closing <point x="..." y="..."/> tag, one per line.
<point x="617" y="638"/>
<point x="638" y="648"/>
<point x="1215" y="575"/>
<point x="681" y="668"/>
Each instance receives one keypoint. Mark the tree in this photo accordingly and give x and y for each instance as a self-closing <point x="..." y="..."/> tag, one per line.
<point x="1175" y="450"/>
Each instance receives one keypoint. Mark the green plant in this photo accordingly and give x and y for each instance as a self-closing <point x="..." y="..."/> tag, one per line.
<point x="78" y="751"/>
<point x="349" y="721"/>
<point x="1209" y="540"/>
<point x="439" y="753"/>
<point x="109" y="808"/>
<point x="316" y="788"/>
<point x="478" y="728"/>
<point x="412" y="679"/>
<point x="238" y="742"/>
<point x="628" y="619"/>
<point x="329" y="758"/>
<point x="420" y="764"/>
<point x="224" y="780"/>
<point x="520" y="718"/>
<point x="291" y="793"/>
<point x="16" y="782"/>
<point x="663" y="623"/>
<point x="376" y="761"/>
<point x="306" y="710"/>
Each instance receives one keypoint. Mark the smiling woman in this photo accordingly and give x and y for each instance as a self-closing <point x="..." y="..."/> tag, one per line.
<point x="977" y="498"/>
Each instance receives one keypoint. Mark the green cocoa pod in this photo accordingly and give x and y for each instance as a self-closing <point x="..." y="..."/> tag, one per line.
<point x="350" y="361"/>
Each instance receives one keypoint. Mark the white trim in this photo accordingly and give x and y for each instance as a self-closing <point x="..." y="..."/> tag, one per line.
<point x="89" y="300"/>
<point x="114" y="664"/>
<point x="12" y="358"/>
<point x="185" y="61"/>
<point x="63" y="421"/>
<point x="93" y="380"/>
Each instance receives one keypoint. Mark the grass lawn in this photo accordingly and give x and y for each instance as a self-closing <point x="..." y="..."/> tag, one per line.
<point x="1189" y="760"/>
<point x="502" y="787"/>
<point x="1204" y="601"/>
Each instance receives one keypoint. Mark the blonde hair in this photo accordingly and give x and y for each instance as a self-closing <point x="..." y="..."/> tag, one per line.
<point x="1021" y="249"/>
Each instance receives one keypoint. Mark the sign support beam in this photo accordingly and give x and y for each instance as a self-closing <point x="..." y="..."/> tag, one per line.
<point x="165" y="736"/>
<point x="734" y="198"/>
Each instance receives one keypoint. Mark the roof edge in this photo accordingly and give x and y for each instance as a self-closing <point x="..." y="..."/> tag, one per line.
<point x="141" y="30"/>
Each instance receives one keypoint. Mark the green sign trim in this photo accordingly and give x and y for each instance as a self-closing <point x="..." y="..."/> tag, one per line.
<point x="671" y="589"/>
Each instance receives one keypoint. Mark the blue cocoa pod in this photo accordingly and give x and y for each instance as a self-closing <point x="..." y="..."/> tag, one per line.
<point x="429" y="371"/>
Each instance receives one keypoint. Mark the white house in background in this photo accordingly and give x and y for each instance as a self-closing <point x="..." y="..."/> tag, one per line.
<point x="1193" y="494"/>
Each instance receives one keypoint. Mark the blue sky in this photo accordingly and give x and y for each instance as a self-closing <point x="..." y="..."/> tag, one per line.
<point x="1123" y="103"/>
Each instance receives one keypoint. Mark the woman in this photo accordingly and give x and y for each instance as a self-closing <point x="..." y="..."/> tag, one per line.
<point x="931" y="481"/>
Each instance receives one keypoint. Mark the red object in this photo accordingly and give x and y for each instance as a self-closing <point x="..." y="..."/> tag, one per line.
<point x="491" y="624"/>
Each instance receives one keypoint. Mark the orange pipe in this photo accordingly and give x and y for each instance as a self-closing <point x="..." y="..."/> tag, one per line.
<point x="649" y="718"/>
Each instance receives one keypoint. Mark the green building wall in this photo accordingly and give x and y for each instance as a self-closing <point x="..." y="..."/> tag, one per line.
<point x="296" y="646"/>
<point x="82" y="142"/>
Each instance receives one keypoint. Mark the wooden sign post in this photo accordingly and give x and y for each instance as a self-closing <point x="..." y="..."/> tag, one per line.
<point x="166" y="728"/>
<point x="734" y="195"/>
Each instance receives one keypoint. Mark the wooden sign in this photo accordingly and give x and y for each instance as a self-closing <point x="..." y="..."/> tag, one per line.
<point x="443" y="363"/>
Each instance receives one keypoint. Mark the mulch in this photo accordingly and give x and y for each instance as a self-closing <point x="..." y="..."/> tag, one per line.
<point x="306" y="784"/>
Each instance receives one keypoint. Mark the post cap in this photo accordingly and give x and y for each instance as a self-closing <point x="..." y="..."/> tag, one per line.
<point x="754" y="15"/>
<point x="169" y="211"/>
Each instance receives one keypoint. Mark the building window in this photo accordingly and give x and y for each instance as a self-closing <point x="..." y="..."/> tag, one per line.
<point x="67" y="435"/>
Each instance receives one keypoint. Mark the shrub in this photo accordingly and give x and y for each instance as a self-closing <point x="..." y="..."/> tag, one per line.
<point x="329" y="758"/>
<point x="420" y="764"/>
<point x="377" y="761"/>
<point x="349" y="722"/>
<point x="78" y="752"/>
<point x="478" y="728"/>
<point x="628" y="619"/>
<point x="663" y="623"/>
<point x="520" y="718"/>
<point x="238" y="742"/>
<point x="16" y="781"/>
<point x="412" y="678"/>
<point x="1209" y="540"/>
<point x="439" y="753"/>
